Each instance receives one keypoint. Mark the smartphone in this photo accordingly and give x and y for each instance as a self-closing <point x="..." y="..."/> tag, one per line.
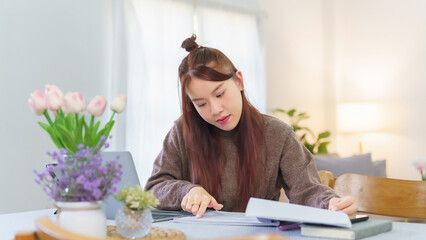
<point x="359" y="218"/>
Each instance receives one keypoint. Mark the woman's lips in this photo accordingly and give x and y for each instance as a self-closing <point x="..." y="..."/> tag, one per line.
<point x="224" y="119"/>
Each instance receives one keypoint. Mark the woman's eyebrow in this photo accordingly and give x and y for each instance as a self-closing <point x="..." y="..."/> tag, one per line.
<point x="218" y="86"/>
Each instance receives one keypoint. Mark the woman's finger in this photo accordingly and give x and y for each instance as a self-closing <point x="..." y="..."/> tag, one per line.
<point x="203" y="207"/>
<point x="345" y="202"/>
<point x="188" y="206"/>
<point x="332" y="204"/>
<point x="213" y="203"/>
<point x="196" y="204"/>
<point x="351" y="209"/>
<point x="195" y="208"/>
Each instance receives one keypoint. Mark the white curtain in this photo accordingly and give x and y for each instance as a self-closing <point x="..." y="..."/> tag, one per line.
<point x="238" y="35"/>
<point x="146" y="57"/>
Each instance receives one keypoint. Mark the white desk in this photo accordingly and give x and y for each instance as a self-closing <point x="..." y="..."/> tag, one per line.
<point x="24" y="221"/>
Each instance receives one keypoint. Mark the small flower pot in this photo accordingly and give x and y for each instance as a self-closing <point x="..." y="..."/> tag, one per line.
<point x="133" y="224"/>
<point x="84" y="218"/>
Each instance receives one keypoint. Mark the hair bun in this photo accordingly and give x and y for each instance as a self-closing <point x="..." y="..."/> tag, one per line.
<point x="189" y="44"/>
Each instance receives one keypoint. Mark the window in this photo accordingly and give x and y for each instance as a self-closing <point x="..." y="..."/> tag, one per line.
<point x="147" y="37"/>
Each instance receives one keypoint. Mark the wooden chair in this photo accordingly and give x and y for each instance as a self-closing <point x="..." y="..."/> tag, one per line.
<point x="327" y="178"/>
<point x="384" y="196"/>
<point x="47" y="230"/>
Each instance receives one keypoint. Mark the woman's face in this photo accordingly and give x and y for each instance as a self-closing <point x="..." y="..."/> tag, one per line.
<point x="218" y="103"/>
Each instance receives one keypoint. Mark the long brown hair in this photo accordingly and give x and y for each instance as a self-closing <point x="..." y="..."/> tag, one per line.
<point x="202" y="141"/>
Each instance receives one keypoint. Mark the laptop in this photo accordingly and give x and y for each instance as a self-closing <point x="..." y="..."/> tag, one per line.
<point x="129" y="177"/>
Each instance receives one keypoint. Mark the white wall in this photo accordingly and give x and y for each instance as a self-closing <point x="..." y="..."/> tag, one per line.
<point x="380" y="55"/>
<point x="43" y="41"/>
<point x="295" y="58"/>
<point x="323" y="52"/>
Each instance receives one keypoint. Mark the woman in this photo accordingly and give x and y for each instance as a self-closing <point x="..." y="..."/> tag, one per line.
<point x="222" y="151"/>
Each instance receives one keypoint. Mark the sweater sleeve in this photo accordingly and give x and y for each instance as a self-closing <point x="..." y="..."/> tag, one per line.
<point x="302" y="182"/>
<point x="170" y="180"/>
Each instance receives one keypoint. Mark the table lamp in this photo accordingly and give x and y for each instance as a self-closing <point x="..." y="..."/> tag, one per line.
<point x="359" y="117"/>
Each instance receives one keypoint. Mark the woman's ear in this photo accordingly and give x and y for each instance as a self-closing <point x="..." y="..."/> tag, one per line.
<point x="239" y="80"/>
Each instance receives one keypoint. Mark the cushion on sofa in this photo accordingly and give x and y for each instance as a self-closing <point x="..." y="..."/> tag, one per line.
<point x="379" y="167"/>
<point x="360" y="164"/>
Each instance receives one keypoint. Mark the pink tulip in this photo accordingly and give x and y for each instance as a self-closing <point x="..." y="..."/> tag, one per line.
<point x="97" y="106"/>
<point x="73" y="103"/>
<point x="37" y="102"/>
<point x="119" y="103"/>
<point x="54" y="97"/>
<point x="420" y="166"/>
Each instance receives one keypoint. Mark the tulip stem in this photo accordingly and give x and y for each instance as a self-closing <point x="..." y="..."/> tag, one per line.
<point x="92" y="118"/>
<point x="112" y="116"/>
<point x="46" y="114"/>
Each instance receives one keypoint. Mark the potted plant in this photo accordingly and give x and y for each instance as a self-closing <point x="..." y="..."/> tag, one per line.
<point x="317" y="144"/>
<point x="134" y="219"/>
<point x="80" y="179"/>
<point x="420" y="165"/>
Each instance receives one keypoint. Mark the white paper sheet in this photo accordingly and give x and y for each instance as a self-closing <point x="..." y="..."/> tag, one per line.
<point x="226" y="218"/>
<point x="267" y="209"/>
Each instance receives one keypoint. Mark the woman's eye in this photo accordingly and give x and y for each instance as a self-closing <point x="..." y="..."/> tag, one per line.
<point x="201" y="105"/>
<point x="220" y="95"/>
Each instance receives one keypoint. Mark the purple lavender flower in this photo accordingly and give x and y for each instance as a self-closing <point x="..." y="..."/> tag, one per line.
<point x="97" y="193"/>
<point x="84" y="176"/>
<point x="50" y="168"/>
<point x="81" y="179"/>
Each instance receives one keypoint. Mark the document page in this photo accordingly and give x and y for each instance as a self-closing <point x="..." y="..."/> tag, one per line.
<point x="226" y="218"/>
<point x="268" y="209"/>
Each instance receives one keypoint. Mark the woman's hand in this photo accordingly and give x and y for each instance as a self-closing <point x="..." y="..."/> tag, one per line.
<point x="197" y="200"/>
<point x="347" y="204"/>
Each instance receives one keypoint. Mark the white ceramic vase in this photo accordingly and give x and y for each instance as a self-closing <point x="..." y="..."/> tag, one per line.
<point x="85" y="218"/>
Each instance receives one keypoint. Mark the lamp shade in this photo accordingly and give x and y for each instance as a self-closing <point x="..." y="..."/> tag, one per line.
<point x="359" y="117"/>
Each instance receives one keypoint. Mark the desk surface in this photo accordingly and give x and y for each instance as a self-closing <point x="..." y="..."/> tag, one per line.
<point x="24" y="221"/>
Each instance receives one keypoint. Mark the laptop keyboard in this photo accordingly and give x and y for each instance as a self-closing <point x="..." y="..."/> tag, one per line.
<point x="165" y="215"/>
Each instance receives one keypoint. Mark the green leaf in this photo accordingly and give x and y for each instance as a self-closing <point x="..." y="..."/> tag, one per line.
<point x="88" y="140"/>
<point x="68" y="121"/>
<point x="322" y="148"/>
<point x="302" y="137"/>
<point x="302" y="117"/>
<point x="79" y="131"/>
<point x="280" y="110"/>
<point x="68" y="139"/>
<point x="325" y="134"/>
<point x="295" y="128"/>
<point x="309" y="147"/>
<point x="291" y="112"/>
<point x="59" y="118"/>
<point x="105" y="131"/>
<point x="52" y="134"/>
<point x="95" y="129"/>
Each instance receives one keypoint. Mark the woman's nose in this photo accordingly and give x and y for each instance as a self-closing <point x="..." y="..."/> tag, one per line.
<point x="216" y="107"/>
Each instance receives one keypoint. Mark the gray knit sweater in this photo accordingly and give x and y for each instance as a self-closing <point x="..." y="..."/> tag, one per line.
<point x="289" y="165"/>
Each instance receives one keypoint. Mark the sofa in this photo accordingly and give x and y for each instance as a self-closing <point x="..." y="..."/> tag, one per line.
<point x="360" y="164"/>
